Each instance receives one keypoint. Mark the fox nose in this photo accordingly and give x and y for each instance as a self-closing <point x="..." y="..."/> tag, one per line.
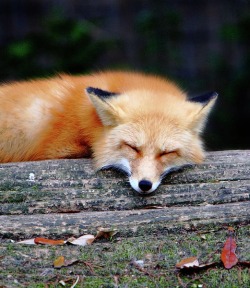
<point x="145" y="185"/>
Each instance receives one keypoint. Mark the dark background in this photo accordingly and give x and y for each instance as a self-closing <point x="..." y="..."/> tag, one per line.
<point x="203" y="45"/>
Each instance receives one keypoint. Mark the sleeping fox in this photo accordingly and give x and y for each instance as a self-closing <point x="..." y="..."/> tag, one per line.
<point x="141" y="124"/>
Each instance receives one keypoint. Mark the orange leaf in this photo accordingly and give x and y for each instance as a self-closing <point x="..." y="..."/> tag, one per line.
<point x="59" y="262"/>
<point x="44" y="241"/>
<point x="187" y="262"/>
<point x="228" y="256"/>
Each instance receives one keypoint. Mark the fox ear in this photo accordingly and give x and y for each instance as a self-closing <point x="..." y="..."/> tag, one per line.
<point x="204" y="104"/>
<point x="105" y="110"/>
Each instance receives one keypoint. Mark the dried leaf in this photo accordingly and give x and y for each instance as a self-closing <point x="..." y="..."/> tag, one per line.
<point x="207" y="265"/>
<point x="69" y="240"/>
<point x="82" y="241"/>
<point x="203" y="237"/>
<point x="44" y="241"/>
<point x="106" y="232"/>
<point x="228" y="256"/>
<point x="61" y="282"/>
<point x="27" y="242"/>
<point x="188" y="262"/>
<point x="195" y="268"/>
<point x="61" y="262"/>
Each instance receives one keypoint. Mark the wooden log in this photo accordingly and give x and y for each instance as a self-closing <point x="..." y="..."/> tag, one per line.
<point x="45" y="189"/>
<point x="128" y="223"/>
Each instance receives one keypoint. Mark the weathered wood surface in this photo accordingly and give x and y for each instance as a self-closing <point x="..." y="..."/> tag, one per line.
<point x="68" y="197"/>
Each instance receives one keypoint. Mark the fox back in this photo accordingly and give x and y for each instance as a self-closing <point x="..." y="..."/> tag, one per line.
<point x="141" y="124"/>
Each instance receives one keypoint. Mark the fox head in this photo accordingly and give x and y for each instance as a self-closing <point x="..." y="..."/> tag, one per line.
<point x="148" y="133"/>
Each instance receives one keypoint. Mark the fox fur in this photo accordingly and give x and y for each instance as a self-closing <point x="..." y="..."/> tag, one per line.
<point x="142" y="124"/>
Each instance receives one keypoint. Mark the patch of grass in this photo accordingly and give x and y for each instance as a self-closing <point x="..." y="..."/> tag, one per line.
<point x="108" y="263"/>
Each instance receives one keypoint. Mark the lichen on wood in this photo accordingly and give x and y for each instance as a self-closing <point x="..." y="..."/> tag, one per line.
<point x="67" y="196"/>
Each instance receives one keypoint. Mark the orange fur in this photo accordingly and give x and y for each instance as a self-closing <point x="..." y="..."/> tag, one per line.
<point x="57" y="118"/>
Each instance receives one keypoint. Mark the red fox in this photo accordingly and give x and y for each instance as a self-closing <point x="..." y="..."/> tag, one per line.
<point x="141" y="124"/>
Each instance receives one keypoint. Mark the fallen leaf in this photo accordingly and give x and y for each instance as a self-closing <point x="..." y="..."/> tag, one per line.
<point x="27" y="242"/>
<point x="196" y="268"/>
<point x="61" y="262"/>
<point x="69" y="240"/>
<point x="44" y="241"/>
<point x="82" y="241"/>
<point x="203" y="237"/>
<point x="206" y="265"/>
<point x="106" y="232"/>
<point x="188" y="262"/>
<point x="228" y="256"/>
<point x="61" y="282"/>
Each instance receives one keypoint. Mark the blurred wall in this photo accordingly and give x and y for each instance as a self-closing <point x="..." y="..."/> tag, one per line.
<point x="203" y="45"/>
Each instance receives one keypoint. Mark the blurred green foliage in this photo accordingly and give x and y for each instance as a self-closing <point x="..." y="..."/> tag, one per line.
<point x="232" y="116"/>
<point x="74" y="46"/>
<point x="61" y="45"/>
<point x="160" y="34"/>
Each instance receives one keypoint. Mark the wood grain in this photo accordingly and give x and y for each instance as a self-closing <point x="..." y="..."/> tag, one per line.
<point x="68" y="197"/>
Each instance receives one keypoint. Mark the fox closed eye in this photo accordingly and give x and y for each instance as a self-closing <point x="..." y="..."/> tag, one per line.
<point x="134" y="148"/>
<point x="167" y="153"/>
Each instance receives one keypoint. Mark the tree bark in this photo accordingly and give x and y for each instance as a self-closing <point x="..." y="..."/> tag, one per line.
<point x="58" y="197"/>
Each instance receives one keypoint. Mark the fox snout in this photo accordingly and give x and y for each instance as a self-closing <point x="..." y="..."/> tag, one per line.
<point x="143" y="186"/>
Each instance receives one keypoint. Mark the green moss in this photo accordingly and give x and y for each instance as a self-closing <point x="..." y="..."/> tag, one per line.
<point x="100" y="262"/>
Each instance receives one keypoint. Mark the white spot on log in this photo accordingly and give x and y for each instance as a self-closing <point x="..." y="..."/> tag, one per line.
<point x="31" y="177"/>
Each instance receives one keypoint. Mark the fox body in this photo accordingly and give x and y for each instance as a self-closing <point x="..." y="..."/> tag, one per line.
<point x="141" y="124"/>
